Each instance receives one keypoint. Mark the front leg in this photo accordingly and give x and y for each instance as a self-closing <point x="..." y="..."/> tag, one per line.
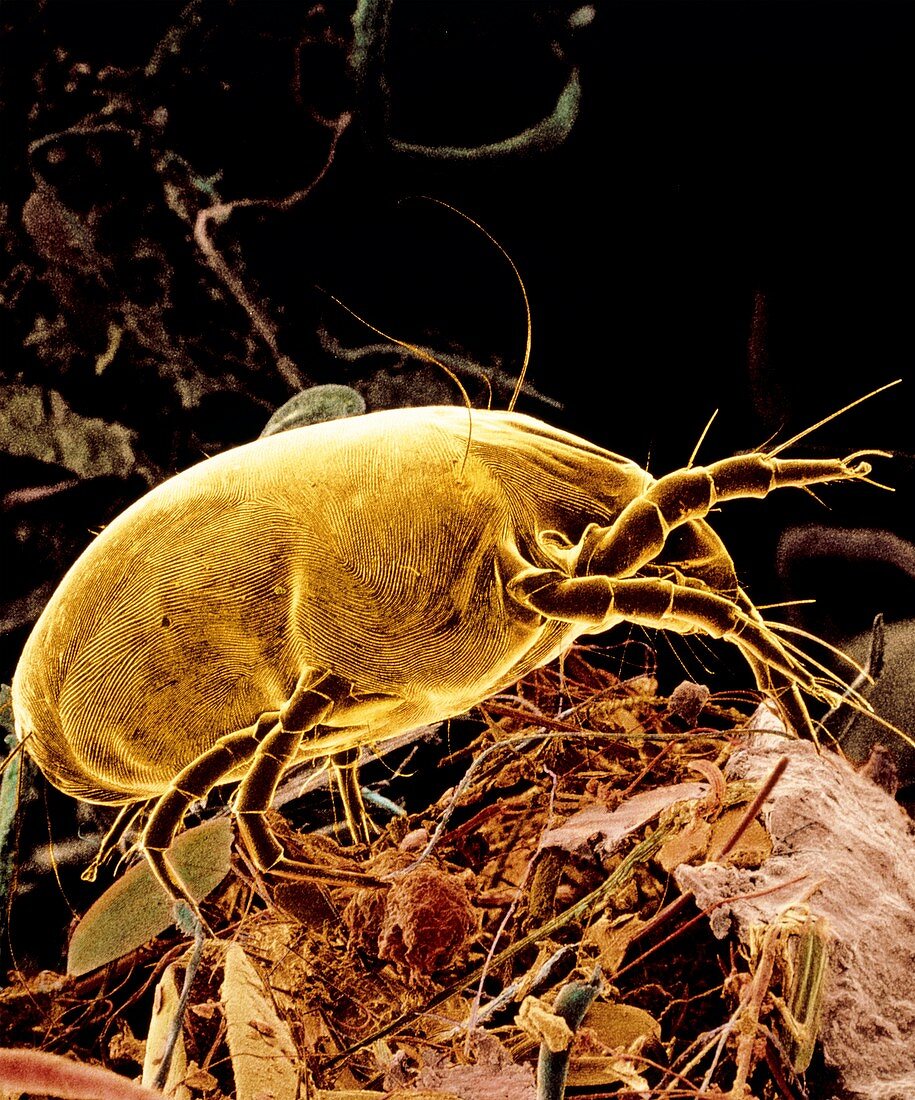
<point x="639" y="533"/>
<point x="783" y="689"/>
<point x="597" y="602"/>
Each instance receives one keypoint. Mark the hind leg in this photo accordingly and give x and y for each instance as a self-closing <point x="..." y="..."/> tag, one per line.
<point x="196" y="780"/>
<point x="264" y="750"/>
<point x="316" y="697"/>
<point x="346" y="773"/>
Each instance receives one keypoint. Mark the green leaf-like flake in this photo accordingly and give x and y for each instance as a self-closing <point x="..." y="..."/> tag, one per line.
<point x="9" y="794"/>
<point x="315" y="406"/>
<point x="136" y="908"/>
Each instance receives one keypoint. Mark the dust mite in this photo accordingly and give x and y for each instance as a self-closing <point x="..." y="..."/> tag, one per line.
<point x="334" y="585"/>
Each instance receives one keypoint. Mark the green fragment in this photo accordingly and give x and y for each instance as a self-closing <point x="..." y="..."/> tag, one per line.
<point x="314" y="406"/>
<point x="571" y="1004"/>
<point x="135" y="908"/>
<point x="9" y="798"/>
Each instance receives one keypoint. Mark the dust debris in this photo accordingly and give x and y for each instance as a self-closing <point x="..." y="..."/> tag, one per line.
<point x="552" y="852"/>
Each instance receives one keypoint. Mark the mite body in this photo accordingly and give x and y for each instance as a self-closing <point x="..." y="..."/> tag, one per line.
<point x="337" y="584"/>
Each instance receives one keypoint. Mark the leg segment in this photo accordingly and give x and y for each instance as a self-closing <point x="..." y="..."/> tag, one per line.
<point x="255" y="793"/>
<point x="639" y="532"/>
<point x="783" y="689"/>
<point x="783" y="692"/>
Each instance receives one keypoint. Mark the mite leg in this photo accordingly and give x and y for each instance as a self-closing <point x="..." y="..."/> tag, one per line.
<point x="784" y="693"/>
<point x="780" y="687"/>
<point x="312" y="701"/>
<point x="595" y="602"/>
<point x="230" y="752"/>
<point x="638" y="534"/>
<point x="346" y="773"/>
<point x="264" y="746"/>
<point x="115" y="831"/>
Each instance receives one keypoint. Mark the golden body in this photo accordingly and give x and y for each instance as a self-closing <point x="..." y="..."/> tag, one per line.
<point x="337" y="584"/>
<point x="356" y="546"/>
